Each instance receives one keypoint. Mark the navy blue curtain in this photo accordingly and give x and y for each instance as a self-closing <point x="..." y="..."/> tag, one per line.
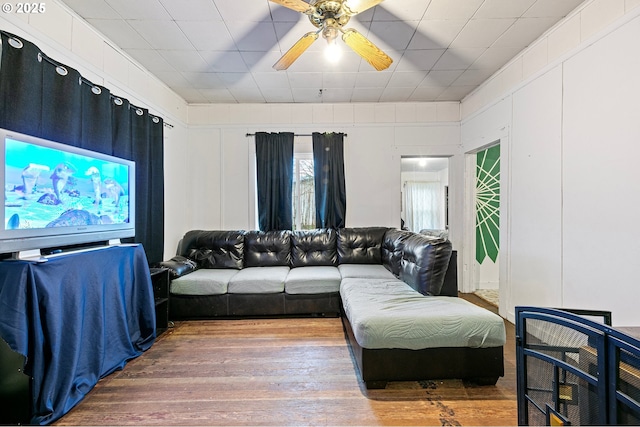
<point x="42" y="97"/>
<point x="328" y="172"/>
<point x="274" y="174"/>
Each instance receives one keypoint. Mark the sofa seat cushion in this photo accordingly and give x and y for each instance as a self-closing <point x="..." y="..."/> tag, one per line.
<point x="312" y="280"/>
<point x="391" y="314"/>
<point x="258" y="280"/>
<point x="206" y="281"/>
<point x="365" y="271"/>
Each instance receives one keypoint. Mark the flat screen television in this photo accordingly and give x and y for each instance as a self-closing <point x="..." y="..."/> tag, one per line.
<point x="57" y="195"/>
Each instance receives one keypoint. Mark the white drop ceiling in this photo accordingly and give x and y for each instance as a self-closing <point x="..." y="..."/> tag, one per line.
<point x="222" y="51"/>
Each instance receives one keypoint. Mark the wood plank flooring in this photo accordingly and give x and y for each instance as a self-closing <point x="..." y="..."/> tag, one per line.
<point x="280" y="372"/>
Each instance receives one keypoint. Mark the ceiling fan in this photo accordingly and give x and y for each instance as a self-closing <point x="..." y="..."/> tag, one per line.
<point x="329" y="16"/>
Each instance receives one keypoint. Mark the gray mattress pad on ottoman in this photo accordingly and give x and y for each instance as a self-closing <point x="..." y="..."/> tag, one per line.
<point x="388" y="313"/>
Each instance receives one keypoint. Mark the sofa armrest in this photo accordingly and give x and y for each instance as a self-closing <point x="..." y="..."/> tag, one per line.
<point x="179" y="266"/>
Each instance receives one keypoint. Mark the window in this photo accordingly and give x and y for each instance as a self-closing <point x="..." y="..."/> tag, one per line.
<point x="304" y="205"/>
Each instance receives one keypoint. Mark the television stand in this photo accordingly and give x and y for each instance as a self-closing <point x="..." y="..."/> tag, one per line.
<point x="97" y="311"/>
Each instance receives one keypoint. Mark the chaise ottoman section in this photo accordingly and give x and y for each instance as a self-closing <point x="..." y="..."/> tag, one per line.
<point x="390" y="314"/>
<point x="398" y="334"/>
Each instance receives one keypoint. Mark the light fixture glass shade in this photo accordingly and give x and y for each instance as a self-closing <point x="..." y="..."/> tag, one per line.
<point x="333" y="51"/>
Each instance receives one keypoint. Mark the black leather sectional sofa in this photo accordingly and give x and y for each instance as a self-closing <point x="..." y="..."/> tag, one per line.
<point x="225" y="274"/>
<point x="394" y="291"/>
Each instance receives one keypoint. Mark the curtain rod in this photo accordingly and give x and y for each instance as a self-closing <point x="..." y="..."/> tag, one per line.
<point x="295" y="134"/>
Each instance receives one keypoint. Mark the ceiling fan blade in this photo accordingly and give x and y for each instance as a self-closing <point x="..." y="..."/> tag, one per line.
<point x="295" y="51"/>
<point x="367" y="50"/>
<point x="357" y="6"/>
<point x="297" y="5"/>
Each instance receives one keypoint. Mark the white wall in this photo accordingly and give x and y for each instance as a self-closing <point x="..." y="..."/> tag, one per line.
<point x="566" y="108"/>
<point x="222" y="179"/>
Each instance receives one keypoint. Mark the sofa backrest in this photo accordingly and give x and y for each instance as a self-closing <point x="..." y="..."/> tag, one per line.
<point x="360" y="245"/>
<point x="392" y="247"/>
<point x="314" y="247"/>
<point x="424" y="263"/>
<point x="214" y="249"/>
<point x="267" y="248"/>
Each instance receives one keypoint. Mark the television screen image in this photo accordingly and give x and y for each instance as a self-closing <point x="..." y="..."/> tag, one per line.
<point x="51" y="188"/>
<point x="56" y="194"/>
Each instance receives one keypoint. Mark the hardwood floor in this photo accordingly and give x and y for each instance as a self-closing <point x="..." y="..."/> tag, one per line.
<point x="280" y="372"/>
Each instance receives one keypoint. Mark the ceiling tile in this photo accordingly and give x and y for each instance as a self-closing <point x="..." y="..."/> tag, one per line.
<point x="277" y="95"/>
<point x="161" y="34"/>
<point x="423" y="60"/>
<point x="481" y="32"/>
<point x="121" y="33"/>
<point x="185" y="60"/>
<point x="503" y="8"/>
<point x="192" y="10"/>
<point x="339" y="80"/>
<point x="227" y="61"/>
<point x="454" y="93"/>
<point x="140" y="9"/>
<point x="426" y="93"/>
<point x="495" y="57"/>
<point x="218" y="96"/>
<point x="253" y="36"/>
<point x="406" y="79"/>
<point x="396" y="94"/>
<point x="366" y="94"/>
<point x="205" y="35"/>
<point x="244" y="10"/>
<point x="447" y="9"/>
<point x="369" y="79"/>
<point x="99" y="9"/>
<point x="473" y="77"/>
<point x="440" y="78"/>
<point x="272" y="80"/>
<point x="151" y="60"/>
<point x="393" y="34"/>
<point x="524" y="31"/>
<point x="458" y="59"/>
<point x="551" y="8"/>
<point x="436" y="34"/>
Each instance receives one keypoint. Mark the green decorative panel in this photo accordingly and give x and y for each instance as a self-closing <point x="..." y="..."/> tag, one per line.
<point x="488" y="204"/>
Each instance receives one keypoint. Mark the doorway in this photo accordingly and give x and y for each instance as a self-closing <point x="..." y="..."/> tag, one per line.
<point x="424" y="194"/>
<point x="487" y="223"/>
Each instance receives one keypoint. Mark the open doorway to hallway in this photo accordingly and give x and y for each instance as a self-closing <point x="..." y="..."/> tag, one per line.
<point x="425" y="191"/>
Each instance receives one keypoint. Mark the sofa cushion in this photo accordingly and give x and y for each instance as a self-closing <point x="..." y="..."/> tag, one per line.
<point x="258" y="280"/>
<point x="360" y="245"/>
<point x="314" y="247"/>
<point x="214" y="249"/>
<point x="203" y="282"/>
<point x="267" y="248"/>
<point x="364" y="271"/>
<point x="312" y="280"/>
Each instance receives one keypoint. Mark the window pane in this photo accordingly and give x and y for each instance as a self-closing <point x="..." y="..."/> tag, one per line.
<point x="304" y="212"/>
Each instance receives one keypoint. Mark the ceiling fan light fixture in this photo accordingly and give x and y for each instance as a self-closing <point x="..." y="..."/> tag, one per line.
<point x="333" y="51"/>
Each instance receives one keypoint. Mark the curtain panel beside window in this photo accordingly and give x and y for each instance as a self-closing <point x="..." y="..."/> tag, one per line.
<point x="274" y="175"/>
<point x="331" y="196"/>
<point x="47" y="99"/>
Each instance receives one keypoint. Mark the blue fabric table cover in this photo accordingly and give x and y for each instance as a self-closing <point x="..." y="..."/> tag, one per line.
<point x="76" y="318"/>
